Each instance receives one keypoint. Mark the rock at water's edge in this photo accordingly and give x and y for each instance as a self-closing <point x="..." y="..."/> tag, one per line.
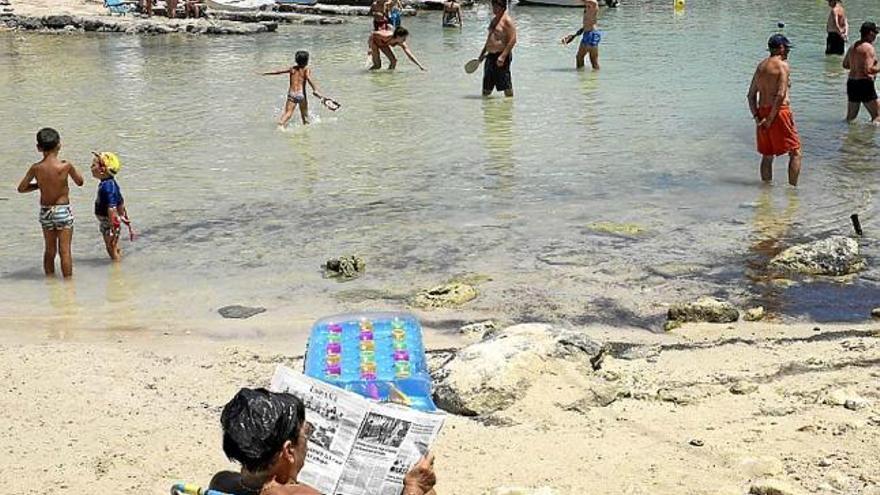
<point x="705" y="309"/>
<point x="754" y="314"/>
<point x="345" y="267"/>
<point x="239" y="312"/>
<point x="834" y="256"/>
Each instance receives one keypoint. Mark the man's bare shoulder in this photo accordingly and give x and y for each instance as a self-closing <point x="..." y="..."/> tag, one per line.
<point x="774" y="65"/>
<point x="863" y="48"/>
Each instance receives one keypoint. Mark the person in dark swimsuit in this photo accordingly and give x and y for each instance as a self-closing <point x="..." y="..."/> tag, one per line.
<point x="496" y="54"/>
<point x="861" y="61"/>
<point x="837" y="28"/>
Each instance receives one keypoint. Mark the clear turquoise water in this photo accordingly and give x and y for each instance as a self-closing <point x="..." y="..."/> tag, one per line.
<point x="425" y="180"/>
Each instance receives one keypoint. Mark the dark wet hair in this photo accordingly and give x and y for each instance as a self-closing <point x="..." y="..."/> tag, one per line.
<point x="868" y="27"/>
<point x="256" y="423"/>
<point x="502" y="4"/>
<point x="400" y="32"/>
<point x="48" y="139"/>
<point x="302" y="58"/>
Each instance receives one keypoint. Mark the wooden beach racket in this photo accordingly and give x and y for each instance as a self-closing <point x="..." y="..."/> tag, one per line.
<point x="330" y="103"/>
<point x="472" y="65"/>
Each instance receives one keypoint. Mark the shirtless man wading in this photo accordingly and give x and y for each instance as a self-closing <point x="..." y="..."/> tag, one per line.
<point x="497" y="51"/>
<point x="861" y="60"/>
<point x="768" y="102"/>
<point x="837" y="28"/>
<point x="591" y="36"/>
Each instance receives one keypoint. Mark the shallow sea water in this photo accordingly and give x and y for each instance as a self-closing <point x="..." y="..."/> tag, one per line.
<point x="426" y="180"/>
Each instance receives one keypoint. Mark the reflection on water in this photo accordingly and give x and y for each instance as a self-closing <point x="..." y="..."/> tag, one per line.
<point x="62" y="298"/>
<point x="771" y="231"/>
<point x="498" y="136"/>
<point x="424" y="178"/>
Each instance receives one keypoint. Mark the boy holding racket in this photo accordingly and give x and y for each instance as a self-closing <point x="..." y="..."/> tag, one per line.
<point x="591" y="36"/>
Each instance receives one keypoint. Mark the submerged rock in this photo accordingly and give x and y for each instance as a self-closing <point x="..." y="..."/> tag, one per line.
<point x="835" y="256"/>
<point x="239" y="312"/>
<point x="489" y="376"/>
<point x="449" y="295"/>
<point x="705" y="309"/>
<point x="624" y="229"/>
<point x="345" y="267"/>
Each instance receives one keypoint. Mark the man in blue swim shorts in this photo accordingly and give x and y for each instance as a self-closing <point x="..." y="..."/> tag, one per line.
<point x="591" y="36"/>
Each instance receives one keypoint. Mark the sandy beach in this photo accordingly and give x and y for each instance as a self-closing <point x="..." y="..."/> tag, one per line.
<point x="58" y="7"/>
<point x="708" y="409"/>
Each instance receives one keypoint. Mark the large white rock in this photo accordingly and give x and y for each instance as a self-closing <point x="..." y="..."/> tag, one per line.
<point x="490" y="375"/>
<point x="836" y="255"/>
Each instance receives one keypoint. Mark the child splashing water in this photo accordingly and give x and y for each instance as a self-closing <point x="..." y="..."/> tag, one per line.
<point x="300" y="75"/>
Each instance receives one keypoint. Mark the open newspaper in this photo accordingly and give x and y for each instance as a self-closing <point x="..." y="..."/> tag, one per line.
<point x="357" y="446"/>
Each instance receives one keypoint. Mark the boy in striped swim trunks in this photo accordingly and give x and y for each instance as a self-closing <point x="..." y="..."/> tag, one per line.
<point x="49" y="176"/>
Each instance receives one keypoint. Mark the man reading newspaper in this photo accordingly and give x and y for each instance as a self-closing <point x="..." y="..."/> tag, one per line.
<point x="348" y="446"/>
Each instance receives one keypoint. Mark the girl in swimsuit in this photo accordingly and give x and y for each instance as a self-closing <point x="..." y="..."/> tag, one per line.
<point x="300" y="75"/>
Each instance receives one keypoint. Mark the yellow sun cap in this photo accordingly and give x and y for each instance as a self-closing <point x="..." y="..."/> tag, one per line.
<point x="110" y="161"/>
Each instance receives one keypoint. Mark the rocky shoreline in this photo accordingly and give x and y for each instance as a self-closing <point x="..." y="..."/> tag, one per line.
<point x="216" y="22"/>
<point x="134" y="25"/>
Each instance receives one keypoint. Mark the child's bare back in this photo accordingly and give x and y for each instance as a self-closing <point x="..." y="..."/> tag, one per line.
<point x="51" y="176"/>
<point x="298" y="76"/>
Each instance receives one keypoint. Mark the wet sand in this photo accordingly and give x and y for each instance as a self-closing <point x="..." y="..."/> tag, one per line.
<point x="135" y="413"/>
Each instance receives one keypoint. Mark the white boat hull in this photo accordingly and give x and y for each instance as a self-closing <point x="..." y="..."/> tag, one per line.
<point x="240" y="5"/>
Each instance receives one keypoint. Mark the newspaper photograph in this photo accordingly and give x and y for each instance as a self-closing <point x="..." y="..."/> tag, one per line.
<point x="358" y="446"/>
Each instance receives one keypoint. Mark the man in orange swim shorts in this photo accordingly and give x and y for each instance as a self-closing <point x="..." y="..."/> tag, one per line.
<point x="769" y="104"/>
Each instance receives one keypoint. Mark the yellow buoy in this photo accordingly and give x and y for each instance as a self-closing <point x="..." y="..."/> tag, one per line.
<point x="679" y="4"/>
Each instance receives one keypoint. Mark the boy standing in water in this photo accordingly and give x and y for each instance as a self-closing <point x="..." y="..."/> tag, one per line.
<point x="395" y="11"/>
<point x="300" y="75"/>
<point x="56" y="217"/>
<point x="109" y="205"/>
<point x="591" y="36"/>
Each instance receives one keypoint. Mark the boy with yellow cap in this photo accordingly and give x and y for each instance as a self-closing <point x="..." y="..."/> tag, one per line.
<point x="109" y="205"/>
